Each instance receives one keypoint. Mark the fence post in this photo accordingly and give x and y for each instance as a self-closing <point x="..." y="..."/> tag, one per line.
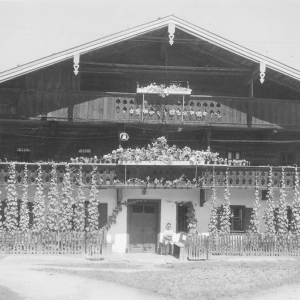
<point x="83" y="241"/>
<point x="207" y="247"/>
<point x="39" y="243"/>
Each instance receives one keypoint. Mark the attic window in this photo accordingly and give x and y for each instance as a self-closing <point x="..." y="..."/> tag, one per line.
<point x="85" y="152"/>
<point x="23" y="154"/>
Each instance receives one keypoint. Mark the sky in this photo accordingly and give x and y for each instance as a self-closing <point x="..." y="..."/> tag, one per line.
<point x="30" y="30"/>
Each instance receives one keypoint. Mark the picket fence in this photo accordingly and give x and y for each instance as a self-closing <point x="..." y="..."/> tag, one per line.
<point x="201" y="247"/>
<point x="197" y="247"/>
<point x="88" y="244"/>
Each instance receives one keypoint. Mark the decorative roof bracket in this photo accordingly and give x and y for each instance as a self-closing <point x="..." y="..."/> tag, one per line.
<point x="76" y="63"/>
<point x="171" y="30"/>
<point x="262" y="69"/>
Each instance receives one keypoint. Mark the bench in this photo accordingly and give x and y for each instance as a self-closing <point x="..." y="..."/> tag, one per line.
<point x="179" y="245"/>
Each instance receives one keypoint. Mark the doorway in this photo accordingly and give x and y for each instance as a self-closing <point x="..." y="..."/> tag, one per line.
<point x="143" y="226"/>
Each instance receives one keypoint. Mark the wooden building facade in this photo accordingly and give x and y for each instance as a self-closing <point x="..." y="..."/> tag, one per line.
<point x="75" y="103"/>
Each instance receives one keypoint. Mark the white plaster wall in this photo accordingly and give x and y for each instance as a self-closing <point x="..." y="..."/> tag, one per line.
<point x="118" y="232"/>
<point x="242" y="196"/>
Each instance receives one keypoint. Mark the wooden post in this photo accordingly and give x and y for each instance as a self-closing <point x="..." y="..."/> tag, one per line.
<point x="83" y="243"/>
<point x="251" y="88"/>
<point x="208" y="137"/>
<point x="143" y="107"/>
<point x="182" y="108"/>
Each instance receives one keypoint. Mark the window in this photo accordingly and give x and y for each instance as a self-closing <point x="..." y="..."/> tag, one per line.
<point x="102" y="209"/>
<point x="287" y="159"/>
<point x="233" y="154"/>
<point x="181" y="218"/>
<point x="85" y="152"/>
<point x="264" y="194"/>
<point x="237" y="218"/>
<point x="23" y="154"/>
<point x="149" y="209"/>
<point x="136" y="208"/>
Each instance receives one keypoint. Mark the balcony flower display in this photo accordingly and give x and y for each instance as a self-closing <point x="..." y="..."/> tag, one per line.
<point x="138" y="111"/>
<point x="178" y="112"/>
<point x="145" y="111"/>
<point x="160" y="152"/>
<point x="163" y="90"/>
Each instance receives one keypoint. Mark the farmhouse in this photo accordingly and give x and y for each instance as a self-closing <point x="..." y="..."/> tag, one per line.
<point x="232" y="113"/>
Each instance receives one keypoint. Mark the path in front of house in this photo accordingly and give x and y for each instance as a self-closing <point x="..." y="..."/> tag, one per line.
<point x="27" y="275"/>
<point x="20" y="273"/>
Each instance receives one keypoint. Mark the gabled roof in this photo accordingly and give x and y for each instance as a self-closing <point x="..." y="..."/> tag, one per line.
<point x="142" y="29"/>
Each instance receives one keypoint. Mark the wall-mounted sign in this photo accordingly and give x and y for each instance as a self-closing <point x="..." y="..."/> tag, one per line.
<point x="124" y="136"/>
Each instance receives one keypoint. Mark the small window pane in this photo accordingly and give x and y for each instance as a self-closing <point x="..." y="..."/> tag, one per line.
<point x="85" y="152"/>
<point x="287" y="159"/>
<point x="234" y="155"/>
<point x="23" y="154"/>
<point x="137" y="208"/>
<point x="149" y="209"/>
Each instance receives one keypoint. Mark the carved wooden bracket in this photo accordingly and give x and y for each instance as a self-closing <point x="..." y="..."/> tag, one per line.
<point x="262" y="69"/>
<point x="76" y="63"/>
<point x="171" y="30"/>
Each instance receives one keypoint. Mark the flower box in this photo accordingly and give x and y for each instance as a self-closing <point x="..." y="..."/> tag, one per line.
<point x="143" y="91"/>
<point x="160" y="163"/>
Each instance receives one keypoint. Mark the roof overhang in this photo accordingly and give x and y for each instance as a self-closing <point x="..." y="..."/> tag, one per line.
<point x="142" y="29"/>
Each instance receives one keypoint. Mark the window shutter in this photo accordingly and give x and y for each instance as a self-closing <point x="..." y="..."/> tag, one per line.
<point x="202" y="197"/>
<point x="102" y="209"/>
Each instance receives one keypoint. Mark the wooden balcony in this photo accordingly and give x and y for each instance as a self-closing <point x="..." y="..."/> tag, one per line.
<point x="123" y="108"/>
<point x="157" y="176"/>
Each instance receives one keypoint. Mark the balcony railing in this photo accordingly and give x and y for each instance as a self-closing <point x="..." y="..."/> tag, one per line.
<point x="174" y="109"/>
<point x="166" y="176"/>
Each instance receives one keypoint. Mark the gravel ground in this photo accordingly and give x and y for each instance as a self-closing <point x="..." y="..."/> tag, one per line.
<point x="234" y="278"/>
<point x="253" y="278"/>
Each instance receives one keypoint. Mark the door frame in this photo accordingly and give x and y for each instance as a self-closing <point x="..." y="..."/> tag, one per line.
<point x="145" y="201"/>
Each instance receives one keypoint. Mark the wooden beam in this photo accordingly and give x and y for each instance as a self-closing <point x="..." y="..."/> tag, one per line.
<point x="254" y="74"/>
<point x="251" y="89"/>
<point x="210" y="53"/>
<point x="129" y="68"/>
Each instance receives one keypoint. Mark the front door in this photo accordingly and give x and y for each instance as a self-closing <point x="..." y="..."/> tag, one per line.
<point x="142" y="226"/>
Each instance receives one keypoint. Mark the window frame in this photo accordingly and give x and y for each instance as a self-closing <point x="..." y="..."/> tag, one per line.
<point x="234" y="151"/>
<point x="18" y="156"/>
<point x="178" y="219"/>
<point x="84" y="154"/>
<point x="243" y="207"/>
<point x="293" y="161"/>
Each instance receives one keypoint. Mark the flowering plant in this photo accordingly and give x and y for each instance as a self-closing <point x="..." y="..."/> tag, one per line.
<point x="145" y="111"/>
<point x="151" y="112"/>
<point x="172" y="112"/>
<point x="162" y="90"/>
<point x="192" y="112"/>
<point x="199" y="113"/>
<point x="131" y="111"/>
<point x="178" y="112"/>
<point x="137" y="111"/>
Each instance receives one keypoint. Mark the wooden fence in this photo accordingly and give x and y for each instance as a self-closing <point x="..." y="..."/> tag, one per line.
<point x="88" y="244"/>
<point x="259" y="245"/>
<point x="197" y="247"/>
<point x="202" y="247"/>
